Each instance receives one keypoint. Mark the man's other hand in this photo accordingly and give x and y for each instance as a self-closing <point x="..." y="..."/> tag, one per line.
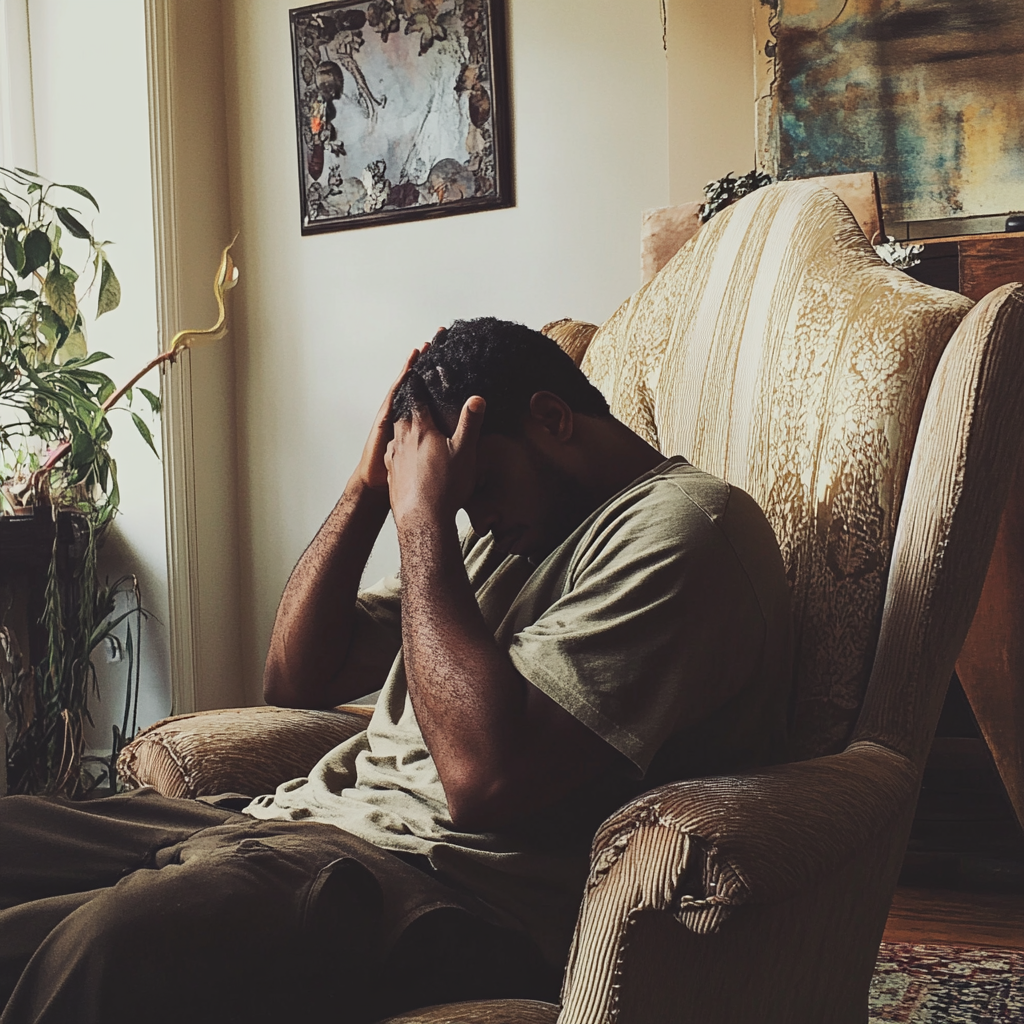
<point x="430" y="474"/>
<point x="371" y="473"/>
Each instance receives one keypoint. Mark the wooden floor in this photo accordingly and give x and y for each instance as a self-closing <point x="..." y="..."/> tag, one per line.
<point x="956" y="918"/>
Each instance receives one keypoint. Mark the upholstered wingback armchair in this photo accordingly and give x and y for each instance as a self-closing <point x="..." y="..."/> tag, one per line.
<point x="877" y="422"/>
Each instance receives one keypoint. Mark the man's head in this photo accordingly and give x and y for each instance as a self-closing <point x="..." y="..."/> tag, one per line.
<point x="529" y="492"/>
<point x="504" y="363"/>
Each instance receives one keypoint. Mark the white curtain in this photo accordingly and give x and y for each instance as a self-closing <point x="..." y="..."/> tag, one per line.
<point x="17" y="148"/>
<point x="17" y="119"/>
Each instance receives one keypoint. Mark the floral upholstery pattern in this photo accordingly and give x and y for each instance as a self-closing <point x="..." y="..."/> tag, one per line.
<point x="776" y="350"/>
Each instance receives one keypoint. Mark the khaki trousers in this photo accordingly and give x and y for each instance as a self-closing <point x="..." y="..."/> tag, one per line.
<point x="143" y="908"/>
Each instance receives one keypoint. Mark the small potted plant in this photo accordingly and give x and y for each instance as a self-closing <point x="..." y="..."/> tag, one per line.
<point x="59" y="490"/>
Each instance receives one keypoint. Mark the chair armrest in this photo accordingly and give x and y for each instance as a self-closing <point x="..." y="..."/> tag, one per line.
<point x="759" y="837"/>
<point x="796" y="839"/>
<point x="240" y="750"/>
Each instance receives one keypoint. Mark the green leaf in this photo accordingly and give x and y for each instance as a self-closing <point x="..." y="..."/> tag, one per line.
<point x="54" y="233"/>
<point x="82" y="192"/>
<point x="74" y="346"/>
<point x="25" y="170"/>
<point x="51" y="326"/>
<point x="75" y="226"/>
<point x="60" y="293"/>
<point x="9" y="216"/>
<point x="154" y="400"/>
<point x="83" y="451"/>
<point x="15" y="252"/>
<point x="140" y="425"/>
<point x="37" y="251"/>
<point x="105" y="391"/>
<point x="73" y="370"/>
<point x="95" y="357"/>
<point x="110" y="291"/>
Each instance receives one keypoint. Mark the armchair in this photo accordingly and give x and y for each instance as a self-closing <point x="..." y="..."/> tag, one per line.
<point x="877" y="422"/>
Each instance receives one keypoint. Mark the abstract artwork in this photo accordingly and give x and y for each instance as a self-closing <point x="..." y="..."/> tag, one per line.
<point x="928" y="93"/>
<point x="402" y="110"/>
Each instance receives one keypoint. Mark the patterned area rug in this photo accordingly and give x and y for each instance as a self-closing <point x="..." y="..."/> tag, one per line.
<point x="916" y="984"/>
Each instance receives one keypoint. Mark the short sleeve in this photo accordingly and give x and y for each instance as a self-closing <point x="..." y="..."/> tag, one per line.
<point x="656" y="627"/>
<point x="376" y="634"/>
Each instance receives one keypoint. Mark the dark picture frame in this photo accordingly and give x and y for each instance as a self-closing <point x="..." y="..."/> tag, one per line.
<point x="402" y="110"/>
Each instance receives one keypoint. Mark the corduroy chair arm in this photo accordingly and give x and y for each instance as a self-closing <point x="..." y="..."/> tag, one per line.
<point x="757" y="837"/>
<point x="239" y="750"/>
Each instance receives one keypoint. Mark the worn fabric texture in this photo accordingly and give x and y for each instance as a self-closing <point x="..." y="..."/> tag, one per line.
<point x="239" y="750"/>
<point x="702" y="687"/>
<point x="969" y="449"/>
<point x="181" y="911"/>
<point x="777" y="351"/>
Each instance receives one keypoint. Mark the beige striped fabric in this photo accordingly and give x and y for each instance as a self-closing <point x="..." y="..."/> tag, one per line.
<point x="958" y="483"/>
<point x="776" y="350"/>
<point x="696" y="850"/>
<point x="238" y="750"/>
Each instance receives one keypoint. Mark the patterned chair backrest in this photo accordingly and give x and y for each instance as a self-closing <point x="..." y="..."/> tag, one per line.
<point x="776" y="350"/>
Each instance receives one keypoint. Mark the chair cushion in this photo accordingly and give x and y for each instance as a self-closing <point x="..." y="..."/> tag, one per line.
<point x="240" y="750"/>
<point x="776" y="350"/>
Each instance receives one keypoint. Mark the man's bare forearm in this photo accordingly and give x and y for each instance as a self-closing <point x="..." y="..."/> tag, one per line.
<point x="469" y="700"/>
<point x="502" y="748"/>
<point x="313" y="627"/>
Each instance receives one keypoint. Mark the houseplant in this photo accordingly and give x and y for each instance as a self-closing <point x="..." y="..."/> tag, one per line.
<point x="54" y="436"/>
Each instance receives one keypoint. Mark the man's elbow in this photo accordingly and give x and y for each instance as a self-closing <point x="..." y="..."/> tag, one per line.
<point x="477" y="807"/>
<point x="277" y="695"/>
<point x="281" y="690"/>
<point x="277" y="692"/>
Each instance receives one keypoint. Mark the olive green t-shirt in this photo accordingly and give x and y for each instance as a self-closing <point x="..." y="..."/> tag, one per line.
<point x="662" y="623"/>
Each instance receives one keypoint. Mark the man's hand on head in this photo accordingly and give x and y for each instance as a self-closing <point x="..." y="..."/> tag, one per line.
<point x="313" y="625"/>
<point x="430" y="476"/>
<point x="371" y="473"/>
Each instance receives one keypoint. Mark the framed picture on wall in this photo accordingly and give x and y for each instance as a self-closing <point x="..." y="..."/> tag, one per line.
<point x="402" y="110"/>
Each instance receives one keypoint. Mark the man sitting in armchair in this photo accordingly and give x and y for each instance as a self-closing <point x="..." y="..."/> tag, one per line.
<point x="613" y="620"/>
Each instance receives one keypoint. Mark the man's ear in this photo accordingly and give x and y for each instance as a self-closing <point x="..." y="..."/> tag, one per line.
<point x="552" y="414"/>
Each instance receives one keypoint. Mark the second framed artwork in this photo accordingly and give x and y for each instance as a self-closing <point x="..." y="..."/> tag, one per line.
<point x="402" y="110"/>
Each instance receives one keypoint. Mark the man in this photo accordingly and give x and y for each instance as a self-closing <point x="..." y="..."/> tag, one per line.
<point x="613" y="620"/>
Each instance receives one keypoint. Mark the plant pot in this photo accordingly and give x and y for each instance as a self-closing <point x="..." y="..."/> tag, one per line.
<point x="28" y="544"/>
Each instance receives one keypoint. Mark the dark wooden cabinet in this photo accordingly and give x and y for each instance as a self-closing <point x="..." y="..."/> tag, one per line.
<point x="971" y="264"/>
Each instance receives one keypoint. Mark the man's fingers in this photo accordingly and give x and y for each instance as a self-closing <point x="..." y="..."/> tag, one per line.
<point x="413" y="356"/>
<point x="471" y="420"/>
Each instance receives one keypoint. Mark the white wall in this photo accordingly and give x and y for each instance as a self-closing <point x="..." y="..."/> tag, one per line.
<point x="324" y="322"/>
<point x="711" y="93"/>
<point x="90" y="93"/>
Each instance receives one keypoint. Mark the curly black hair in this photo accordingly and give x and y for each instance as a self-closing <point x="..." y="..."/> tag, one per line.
<point x="503" y="362"/>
